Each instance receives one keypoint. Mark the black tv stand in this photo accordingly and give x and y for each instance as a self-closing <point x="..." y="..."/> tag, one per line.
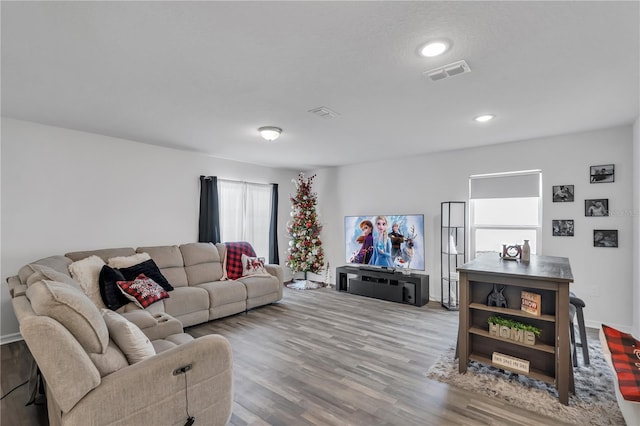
<point x="385" y="284"/>
<point x="376" y="269"/>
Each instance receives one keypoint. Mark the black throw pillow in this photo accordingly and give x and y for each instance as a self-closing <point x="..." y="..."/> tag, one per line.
<point x="150" y="269"/>
<point x="111" y="294"/>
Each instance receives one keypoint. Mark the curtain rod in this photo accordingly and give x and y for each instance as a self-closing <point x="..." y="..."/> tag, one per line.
<point x="238" y="181"/>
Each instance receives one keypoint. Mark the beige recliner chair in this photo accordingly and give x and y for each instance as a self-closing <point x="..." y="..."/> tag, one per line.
<point x="90" y="379"/>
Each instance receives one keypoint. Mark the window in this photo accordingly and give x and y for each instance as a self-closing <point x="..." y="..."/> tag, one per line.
<point x="245" y="213"/>
<point x="505" y="208"/>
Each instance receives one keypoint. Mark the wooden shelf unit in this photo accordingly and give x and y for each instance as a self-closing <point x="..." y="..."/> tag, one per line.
<point x="548" y="276"/>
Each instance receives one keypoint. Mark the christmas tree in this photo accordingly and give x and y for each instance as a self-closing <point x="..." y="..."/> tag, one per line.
<point x="305" y="247"/>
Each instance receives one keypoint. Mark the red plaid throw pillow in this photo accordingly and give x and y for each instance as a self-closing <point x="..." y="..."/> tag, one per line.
<point x="142" y="291"/>
<point x="235" y="250"/>
<point x="625" y="356"/>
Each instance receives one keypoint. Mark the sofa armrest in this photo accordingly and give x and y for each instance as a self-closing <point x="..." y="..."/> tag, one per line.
<point x="150" y="393"/>
<point x="276" y="271"/>
<point x="67" y="369"/>
<point x="155" y="326"/>
<point x="16" y="288"/>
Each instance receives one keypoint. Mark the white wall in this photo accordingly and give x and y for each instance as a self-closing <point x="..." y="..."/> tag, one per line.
<point x="65" y="190"/>
<point x="636" y="226"/>
<point x="418" y="184"/>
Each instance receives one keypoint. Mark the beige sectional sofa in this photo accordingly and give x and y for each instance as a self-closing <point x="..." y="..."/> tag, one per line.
<point x="89" y="374"/>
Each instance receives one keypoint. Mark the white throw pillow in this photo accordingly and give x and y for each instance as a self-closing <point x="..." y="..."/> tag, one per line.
<point x="129" y="338"/>
<point x="252" y="266"/>
<point x="87" y="273"/>
<point x="126" y="261"/>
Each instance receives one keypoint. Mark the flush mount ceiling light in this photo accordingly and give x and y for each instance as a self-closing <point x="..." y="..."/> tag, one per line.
<point x="434" y="48"/>
<point x="270" y="133"/>
<point x="484" y="118"/>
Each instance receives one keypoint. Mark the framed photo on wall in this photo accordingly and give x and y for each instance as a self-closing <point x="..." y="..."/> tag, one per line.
<point x="596" y="207"/>
<point x="562" y="227"/>
<point x="604" y="173"/>
<point x="605" y="238"/>
<point x="563" y="193"/>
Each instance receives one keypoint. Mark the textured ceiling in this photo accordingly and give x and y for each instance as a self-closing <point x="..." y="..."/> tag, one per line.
<point x="203" y="76"/>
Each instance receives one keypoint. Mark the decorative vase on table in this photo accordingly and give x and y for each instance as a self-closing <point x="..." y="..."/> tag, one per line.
<point x="526" y="251"/>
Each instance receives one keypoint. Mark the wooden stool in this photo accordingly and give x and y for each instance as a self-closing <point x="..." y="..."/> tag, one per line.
<point x="576" y="309"/>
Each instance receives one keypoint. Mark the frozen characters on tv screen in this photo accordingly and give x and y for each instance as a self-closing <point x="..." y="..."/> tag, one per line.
<point x="366" y="239"/>
<point x="396" y="240"/>
<point x="381" y="245"/>
<point x="407" y="252"/>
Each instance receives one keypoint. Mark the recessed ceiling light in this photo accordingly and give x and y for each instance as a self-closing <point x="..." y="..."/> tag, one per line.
<point x="484" y="118"/>
<point x="434" y="48"/>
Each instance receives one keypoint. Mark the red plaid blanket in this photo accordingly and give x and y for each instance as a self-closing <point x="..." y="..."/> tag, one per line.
<point x="234" y="257"/>
<point x="625" y="356"/>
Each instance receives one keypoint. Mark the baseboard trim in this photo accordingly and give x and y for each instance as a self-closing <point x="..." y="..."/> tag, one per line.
<point x="10" y="338"/>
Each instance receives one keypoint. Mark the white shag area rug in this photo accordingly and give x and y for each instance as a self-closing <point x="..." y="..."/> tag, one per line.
<point x="305" y="285"/>
<point x="593" y="404"/>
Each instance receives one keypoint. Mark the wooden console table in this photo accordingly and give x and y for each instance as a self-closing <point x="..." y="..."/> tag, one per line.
<point x="384" y="284"/>
<point x="548" y="276"/>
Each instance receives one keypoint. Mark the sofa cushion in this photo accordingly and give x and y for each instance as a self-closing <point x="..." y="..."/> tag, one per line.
<point x="201" y="262"/>
<point x="57" y="263"/>
<point x="149" y="269"/>
<point x="224" y="292"/>
<point x="235" y="250"/>
<point x="143" y="291"/>
<point x="186" y="300"/>
<point x="161" y="345"/>
<point x="104" y="254"/>
<point x="126" y="261"/>
<point x="111" y="294"/>
<point x="260" y="285"/>
<point x="87" y="273"/>
<point x="252" y="266"/>
<point x="154" y="326"/>
<point x="113" y="359"/>
<point x="129" y="338"/>
<point x="169" y="260"/>
<point x="43" y="272"/>
<point x="73" y="310"/>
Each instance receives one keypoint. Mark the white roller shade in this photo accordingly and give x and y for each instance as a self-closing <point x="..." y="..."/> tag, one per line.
<point x="506" y="185"/>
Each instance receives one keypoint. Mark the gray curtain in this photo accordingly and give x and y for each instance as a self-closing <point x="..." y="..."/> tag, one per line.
<point x="273" y="227"/>
<point x="209" y="225"/>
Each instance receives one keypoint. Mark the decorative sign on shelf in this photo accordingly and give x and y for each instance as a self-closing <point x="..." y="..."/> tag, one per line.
<point x="531" y="302"/>
<point x="510" y="333"/>
<point x="510" y="362"/>
<point x="509" y="329"/>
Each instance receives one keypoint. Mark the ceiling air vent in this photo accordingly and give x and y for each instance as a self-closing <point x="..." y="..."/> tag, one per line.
<point x="324" y="112"/>
<point x="450" y="70"/>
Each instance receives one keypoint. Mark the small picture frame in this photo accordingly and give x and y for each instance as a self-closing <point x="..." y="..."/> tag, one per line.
<point x="562" y="227"/>
<point x="563" y="193"/>
<point x="596" y="207"/>
<point x="605" y="238"/>
<point x="604" y="173"/>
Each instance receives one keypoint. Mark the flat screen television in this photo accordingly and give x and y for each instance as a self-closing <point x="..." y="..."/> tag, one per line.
<point x="401" y="248"/>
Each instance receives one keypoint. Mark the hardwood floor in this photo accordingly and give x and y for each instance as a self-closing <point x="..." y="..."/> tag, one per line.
<point x="14" y="370"/>
<point x="320" y="357"/>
